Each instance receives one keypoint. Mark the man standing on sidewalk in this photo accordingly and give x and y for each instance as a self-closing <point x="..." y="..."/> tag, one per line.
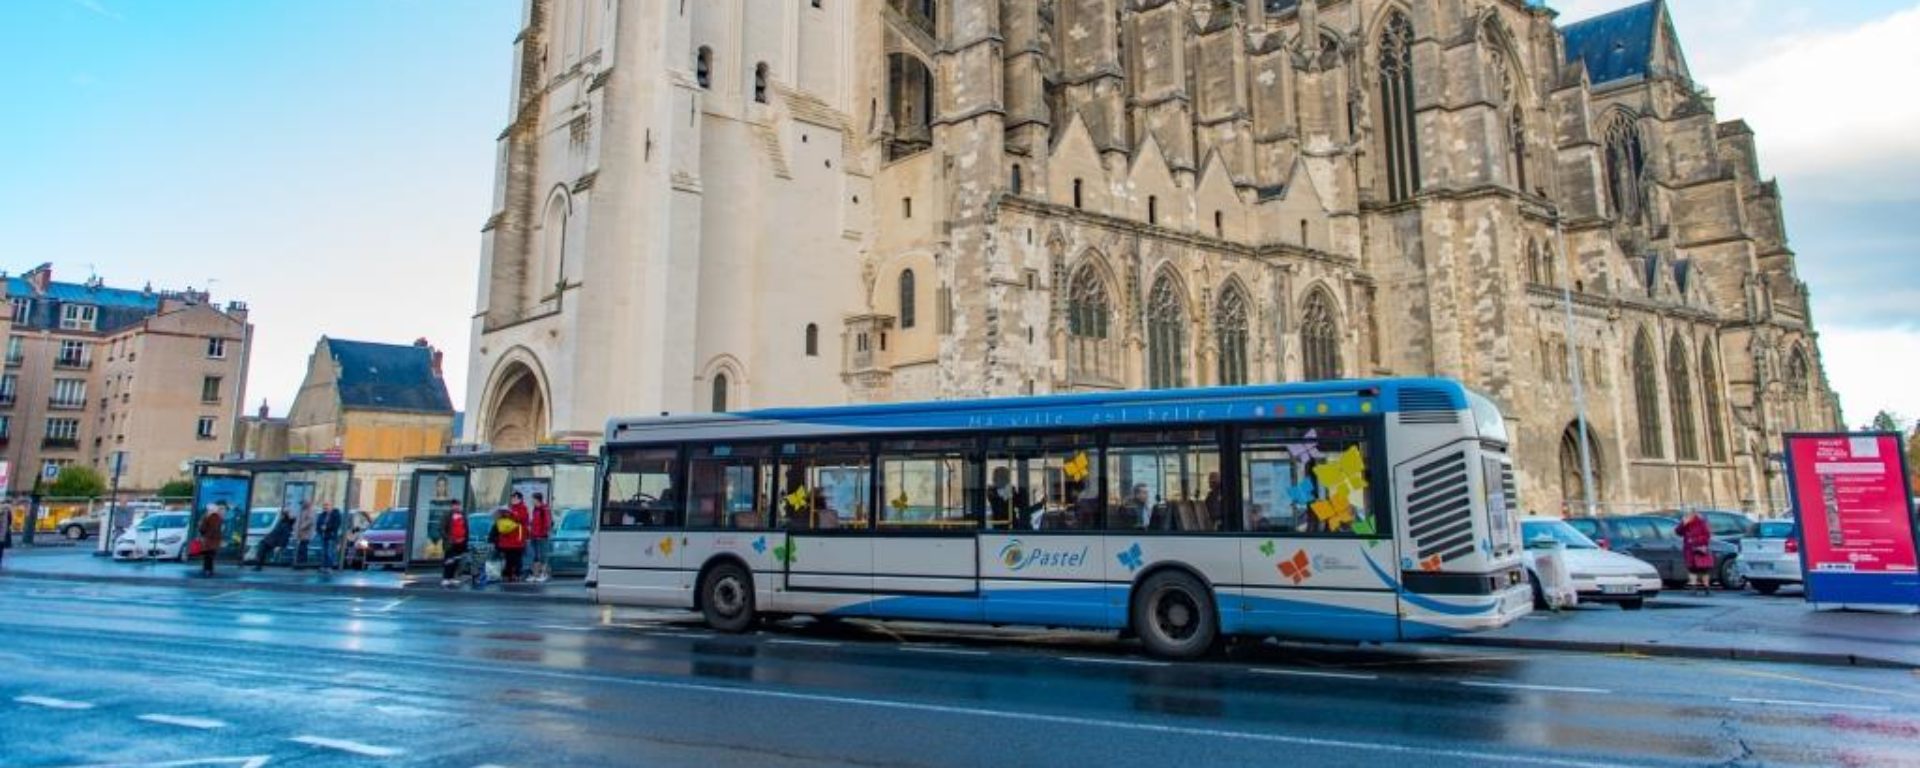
<point x="540" y="527"/>
<point x="329" y="525"/>
<point x="6" y="532"/>
<point x="303" y="528"/>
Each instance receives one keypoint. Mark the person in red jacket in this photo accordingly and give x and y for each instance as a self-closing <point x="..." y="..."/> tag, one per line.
<point x="1697" y="540"/>
<point x="540" y="528"/>
<point x="455" y="547"/>
<point x="510" y="537"/>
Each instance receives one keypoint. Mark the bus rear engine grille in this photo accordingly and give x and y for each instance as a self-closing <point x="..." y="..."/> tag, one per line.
<point x="1422" y="405"/>
<point x="1440" y="509"/>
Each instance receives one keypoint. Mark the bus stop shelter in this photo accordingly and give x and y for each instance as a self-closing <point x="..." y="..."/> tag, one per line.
<point x="484" y="481"/>
<point x="260" y="488"/>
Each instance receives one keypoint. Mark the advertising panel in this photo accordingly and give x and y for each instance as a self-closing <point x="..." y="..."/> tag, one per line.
<point x="232" y="491"/>
<point x="434" y="494"/>
<point x="1851" y="496"/>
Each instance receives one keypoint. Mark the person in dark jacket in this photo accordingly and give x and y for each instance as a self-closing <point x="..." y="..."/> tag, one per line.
<point x="276" y="538"/>
<point x="212" y="528"/>
<point x="454" y="536"/>
<point x="6" y="532"/>
<point x="328" y="527"/>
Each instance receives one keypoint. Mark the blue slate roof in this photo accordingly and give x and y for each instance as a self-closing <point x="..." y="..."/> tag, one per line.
<point x="390" y="377"/>
<point x="1616" y="45"/>
<point x="117" y="308"/>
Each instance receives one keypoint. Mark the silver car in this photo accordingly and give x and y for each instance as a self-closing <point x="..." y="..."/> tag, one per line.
<point x="1770" y="556"/>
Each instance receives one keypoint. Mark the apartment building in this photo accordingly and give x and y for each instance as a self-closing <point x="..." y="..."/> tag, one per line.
<point x="93" y="371"/>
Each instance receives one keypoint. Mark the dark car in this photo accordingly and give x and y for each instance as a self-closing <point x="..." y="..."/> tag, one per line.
<point x="1651" y="538"/>
<point x="1726" y="525"/>
<point x="385" y="542"/>
<point x="572" y="534"/>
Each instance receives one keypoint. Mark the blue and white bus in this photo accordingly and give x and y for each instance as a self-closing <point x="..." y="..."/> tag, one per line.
<point x="1340" y="510"/>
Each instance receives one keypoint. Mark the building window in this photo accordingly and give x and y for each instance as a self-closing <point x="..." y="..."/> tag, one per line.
<point x="73" y="354"/>
<point x="216" y="348"/>
<point x="16" y="349"/>
<point x="9" y="388"/>
<point x="1680" y="386"/>
<point x="1230" y="329"/>
<point x="1089" y="313"/>
<point x="78" y="317"/>
<point x="1396" y="99"/>
<point x="210" y="389"/>
<point x="1319" y="339"/>
<point x="6" y="426"/>
<point x="906" y="207"/>
<point x="1017" y="181"/>
<point x="204" y="428"/>
<point x="63" y="432"/>
<point x="1166" y="335"/>
<point x="906" y="299"/>
<point x="1077" y="199"/>
<point x="1710" y="383"/>
<point x="719" y="393"/>
<point x="909" y="104"/>
<point x="1796" y="390"/>
<point x="1219" y="225"/>
<point x="69" y="393"/>
<point x="1646" y="399"/>
<point x="1626" y="165"/>
<point x="703" y="67"/>
<point x="22" y="311"/>
<point x="1153" y="209"/>
<point x="813" y="340"/>
<point x="1517" y="135"/>
<point x="760" y="82"/>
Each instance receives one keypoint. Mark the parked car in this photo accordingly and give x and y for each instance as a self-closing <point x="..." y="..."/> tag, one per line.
<point x="79" y="528"/>
<point x="1770" y="557"/>
<point x="385" y="541"/>
<point x="1725" y="525"/>
<point x="1598" y="575"/>
<point x="572" y="532"/>
<point x="352" y="555"/>
<point x="161" y="536"/>
<point x="1651" y="538"/>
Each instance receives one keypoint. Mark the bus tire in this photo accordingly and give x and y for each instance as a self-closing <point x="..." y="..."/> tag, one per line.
<point x="1174" y="617"/>
<point x="726" y="598"/>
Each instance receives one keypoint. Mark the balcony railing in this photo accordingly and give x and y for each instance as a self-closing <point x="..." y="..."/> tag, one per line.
<point x="66" y="361"/>
<point x="60" y="442"/>
<point x="58" y="404"/>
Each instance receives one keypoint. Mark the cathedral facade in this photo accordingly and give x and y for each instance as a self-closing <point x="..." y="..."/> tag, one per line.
<point x="723" y="204"/>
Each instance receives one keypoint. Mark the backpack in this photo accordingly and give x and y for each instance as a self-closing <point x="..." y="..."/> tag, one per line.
<point x="505" y="525"/>
<point x="457" y="528"/>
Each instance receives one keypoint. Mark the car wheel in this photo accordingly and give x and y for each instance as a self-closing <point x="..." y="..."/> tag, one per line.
<point x="726" y="598"/>
<point x="1173" y="616"/>
<point x="1766" y="587"/>
<point x="74" y="532"/>
<point x="1539" y="595"/>
<point x="1633" y="604"/>
<point x="1730" y="577"/>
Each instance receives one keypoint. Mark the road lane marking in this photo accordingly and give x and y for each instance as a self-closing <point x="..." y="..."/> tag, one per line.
<point x="1311" y="673"/>
<point x="1813" y="704"/>
<point x="248" y="761"/>
<point x="352" y="747"/>
<point x="948" y="651"/>
<point x="563" y="627"/>
<point x="201" y="723"/>
<point x="1119" y="662"/>
<point x="468" y="622"/>
<point x="52" y="703"/>
<point x="1525" y="687"/>
<point x="814" y="643"/>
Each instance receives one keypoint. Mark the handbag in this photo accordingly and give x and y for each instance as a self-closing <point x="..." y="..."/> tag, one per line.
<point x="197" y="548"/>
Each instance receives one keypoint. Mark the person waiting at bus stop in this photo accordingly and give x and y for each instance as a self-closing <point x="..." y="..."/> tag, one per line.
<point x="509" y="536"/>
<point x="540" y="529"/>
<point x="275" y="540"/>
<point x="212" y="527"/>
<point x="454" y="533"/>
<point x="329" y="525"/>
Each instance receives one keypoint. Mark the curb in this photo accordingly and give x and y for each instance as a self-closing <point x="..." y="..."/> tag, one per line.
<point x="429" y="591"/>
<point x="1687" y="652"/>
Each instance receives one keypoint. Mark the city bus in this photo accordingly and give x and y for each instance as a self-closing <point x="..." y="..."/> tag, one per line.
<point x="1351" y="511"/>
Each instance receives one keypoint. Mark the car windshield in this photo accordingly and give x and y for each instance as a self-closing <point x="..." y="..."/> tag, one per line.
<point x="1550" y="532"/>
<point x="576" y="520"/>
<point x="391" y="520"/>
<point x="1774" y="529"/>
<point x="162" y="522"/>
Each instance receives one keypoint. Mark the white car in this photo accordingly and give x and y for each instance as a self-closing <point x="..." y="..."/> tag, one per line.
<point x="159" y="536"/>
<point x="1770" y="556"/>
<point x="1599" y="576"/>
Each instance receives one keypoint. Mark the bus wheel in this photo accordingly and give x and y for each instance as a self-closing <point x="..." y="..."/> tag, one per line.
<point x="726" y="597"/>
<point x="1173" y="616"/>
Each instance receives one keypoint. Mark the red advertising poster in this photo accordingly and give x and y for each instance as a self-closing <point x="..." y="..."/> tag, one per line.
<point x="1851" y="495"/>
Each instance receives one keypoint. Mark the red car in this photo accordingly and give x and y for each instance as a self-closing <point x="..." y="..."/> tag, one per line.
<point x="385" y="543"/>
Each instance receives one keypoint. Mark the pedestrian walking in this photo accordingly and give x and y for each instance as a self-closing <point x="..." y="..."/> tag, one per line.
<point x="454" y="534"/>
<point x="1696" y="540"/>
<point x="6" y="533"/>
<point x="304" y="527"/>
<point x="540" y="528"/>
<point x="212" y="528"/>
<point x="509" y="538"/>
<point x="276" y="539"/>
<point x="329" y="525"/>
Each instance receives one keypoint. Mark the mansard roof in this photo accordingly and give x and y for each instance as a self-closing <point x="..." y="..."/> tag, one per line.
<point x="1616" y="45"/>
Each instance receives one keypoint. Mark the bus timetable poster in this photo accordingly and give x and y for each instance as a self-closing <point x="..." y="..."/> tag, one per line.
<point x="1857" y="532"/>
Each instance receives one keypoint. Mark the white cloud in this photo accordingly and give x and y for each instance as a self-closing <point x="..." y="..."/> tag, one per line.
<point x="1873" y="369"/>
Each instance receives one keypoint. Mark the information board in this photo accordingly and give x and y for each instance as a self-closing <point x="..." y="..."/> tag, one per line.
<point x="1851" y="495"/>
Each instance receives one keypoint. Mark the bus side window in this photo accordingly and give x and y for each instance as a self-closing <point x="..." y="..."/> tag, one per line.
<point x="640" y="490"/>
<point x="1311" y="479"/>
<point x="1042" y="482"/>
<point x="1166" y="480"/>
<point x="725" y="487"/>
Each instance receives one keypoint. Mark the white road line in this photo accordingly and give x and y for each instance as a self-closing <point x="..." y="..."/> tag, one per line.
<point x="1120" y="662"/>
<point x="814" y="643"/>
<point x="201" y="723"/>
<point x="1313" y="673"/>
<point x="468" y="622"/>
<point x="563" y="627"/>
<point x="354" y="747"/>
<point x="1814" y="704"/>
<point x="52" y="703"/>
<point x="948" y="651"/>
<point x="1524" y="687"/>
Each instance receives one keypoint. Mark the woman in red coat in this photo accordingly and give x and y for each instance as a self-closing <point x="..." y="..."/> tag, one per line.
<point x="1696" y="543"/>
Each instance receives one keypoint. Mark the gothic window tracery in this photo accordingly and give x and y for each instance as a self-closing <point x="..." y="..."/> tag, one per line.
<point x="910" y="106"/>
<point x="1646" y="399"/>
<point x="1716" y="428"/>
<point x="1230" y="329"/>
<point x="1396" y="101"/>
<point x="1626" y="166"/>
<point x="1319" y="338"/>
<point x="906" y="300"/>
<point x="1795" y="383"/>
<point x="1166" y="335"/>
<point x="1680" y="386"/>
<point x="1089" y="326"/>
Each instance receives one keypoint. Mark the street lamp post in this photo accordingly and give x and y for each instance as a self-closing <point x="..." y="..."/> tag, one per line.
<point x="1573" y="365"/>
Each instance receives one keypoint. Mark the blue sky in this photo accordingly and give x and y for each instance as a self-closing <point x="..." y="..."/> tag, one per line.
<point x="330" y="161"/>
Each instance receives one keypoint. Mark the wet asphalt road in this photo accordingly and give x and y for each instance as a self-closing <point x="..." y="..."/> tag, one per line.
<point x="103" y="674"/>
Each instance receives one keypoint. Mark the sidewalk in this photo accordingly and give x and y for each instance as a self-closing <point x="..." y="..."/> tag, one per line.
<point x="1727" y="625"/>
<point x="80" y="564"/>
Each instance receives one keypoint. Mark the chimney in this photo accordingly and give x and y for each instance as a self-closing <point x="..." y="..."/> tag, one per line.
<point x="40" y="277"/>
<point x="436" y="364"/>
<point x="263" y="409"/>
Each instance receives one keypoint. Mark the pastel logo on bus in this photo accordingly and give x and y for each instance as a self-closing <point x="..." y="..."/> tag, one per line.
<point x="1018" y="558"/>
